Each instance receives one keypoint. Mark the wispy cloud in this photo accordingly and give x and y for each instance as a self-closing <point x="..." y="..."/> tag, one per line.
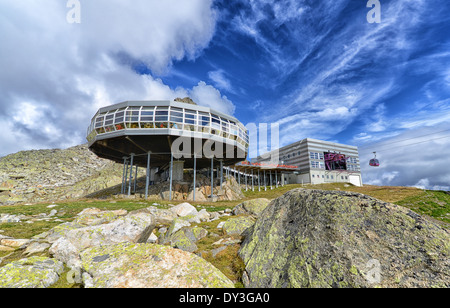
<point x="220" y="80"/>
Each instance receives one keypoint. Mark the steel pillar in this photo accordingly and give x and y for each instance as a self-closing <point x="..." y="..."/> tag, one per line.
<point x="147" y="182"/>
<point x="195" y="173"/>
<point x="131" y="174"/>
<point x="170" y="176"/>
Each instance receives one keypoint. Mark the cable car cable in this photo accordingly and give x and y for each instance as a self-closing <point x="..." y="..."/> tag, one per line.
<point x="409" y="144"/>
<point x="382" y="145"/>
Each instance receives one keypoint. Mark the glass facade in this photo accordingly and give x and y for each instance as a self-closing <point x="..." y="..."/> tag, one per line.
<point x="160" y="117"/>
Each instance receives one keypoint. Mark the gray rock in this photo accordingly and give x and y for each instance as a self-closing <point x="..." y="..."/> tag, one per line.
<point x="313" y="238"/>
<point x="184" y="209"/>
<point x="36" y="247"/>
<point x="34" y="272"/>
<point x="135" y="228"/>
<point x="216" y="251"/>
<point x="7" y="218"/>
<point x="148" y="266"/>
<point x="251" y="207"/>
<point x="237" y="225"/>
<point x="162" y="216"/>
<point x="214" y="216"/>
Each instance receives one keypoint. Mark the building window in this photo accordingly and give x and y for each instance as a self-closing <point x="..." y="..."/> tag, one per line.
<point x="315" y="164"/>
<point x="353" y="160"/>
<point x="315" y="155"/>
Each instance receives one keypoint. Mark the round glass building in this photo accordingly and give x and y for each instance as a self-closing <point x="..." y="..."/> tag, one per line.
<point x="139" y="127"/>
<point x="160" y="133"/>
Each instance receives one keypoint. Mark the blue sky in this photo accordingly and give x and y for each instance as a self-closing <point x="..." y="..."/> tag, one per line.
<point x="317" y="68"/>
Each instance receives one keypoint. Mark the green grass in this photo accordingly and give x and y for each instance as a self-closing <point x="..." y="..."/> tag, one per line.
<point x="434" y="204"/>
<point x="66" y="212"/>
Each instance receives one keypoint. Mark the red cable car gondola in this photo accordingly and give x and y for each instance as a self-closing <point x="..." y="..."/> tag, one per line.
<point x="374" y="162"/>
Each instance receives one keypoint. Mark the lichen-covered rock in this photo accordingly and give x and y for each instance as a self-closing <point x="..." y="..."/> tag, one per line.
<point x="134" y="228"/>
<point x="237" y="225"/>
<point x="47" y="175"/>
<point x="70" y="240"/>
<point x="312" y="238"/>
<point x="161" y="216"/>
<point x="251" y="207"/>
<point x="185" y="238"/>
<point x="94" y="216"/>
<point x="34" y="272"/>
<point x="129" y="265"/>
<point x="184" y="209"/>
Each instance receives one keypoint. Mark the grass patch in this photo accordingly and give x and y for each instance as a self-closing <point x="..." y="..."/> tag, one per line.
<point x="67" y="211"/>
<point x="435" y="204"/>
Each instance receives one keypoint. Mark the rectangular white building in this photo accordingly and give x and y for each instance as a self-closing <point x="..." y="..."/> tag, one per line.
<point x="318" y="162"/>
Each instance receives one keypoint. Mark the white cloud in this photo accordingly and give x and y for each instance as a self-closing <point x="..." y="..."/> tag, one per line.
<point x="207" y="95"/>
<point x="55" y="75"/>
<point x="220" y="81"/>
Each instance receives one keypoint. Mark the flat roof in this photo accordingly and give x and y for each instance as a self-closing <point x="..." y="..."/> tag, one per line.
<point x="312" y="143"/>
<point x="265" y="166"/>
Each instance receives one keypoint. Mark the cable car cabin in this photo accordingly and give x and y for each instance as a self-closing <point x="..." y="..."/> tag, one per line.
<point x="374" y="162"/>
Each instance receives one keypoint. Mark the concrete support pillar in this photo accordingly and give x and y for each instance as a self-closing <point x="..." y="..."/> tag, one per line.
<point x="221" y="174"/>
<point x="195" y="174"/>
<point x="124" y="177"/>
<point x="131" y="174"/>
<point x="212" y="178"/>
<point x="170" y="176"/>
<point x="265" y="184"/>
<point x="253" y="185"/>
<point x="246" y="180"/>
<point x="147" y="182"/>
<point x="259" y="182"/>
<point x="271" y="183"/>
<point x="135" y="178"/>
<point x="178" y="170"/>
<point x="276" y="179"/>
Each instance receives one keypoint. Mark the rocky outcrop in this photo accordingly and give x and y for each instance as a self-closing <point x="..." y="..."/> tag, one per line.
<point x="117" y="249"/>
<point x="184" y="191"/>
<point x="54" y="175"/>
<point x="237" y="225"/>
<point x="95" y="228"/>
<point x="48" y="175"/>
<point x="130" y="265"/>
<point x="34" y="272"/>
<point x="251" y="207"/>
<point x="312" y="238"/>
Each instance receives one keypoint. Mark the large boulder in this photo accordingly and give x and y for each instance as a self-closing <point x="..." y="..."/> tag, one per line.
<point x="129" y="265"/>
<point x="34" y="272"/>
<point x="69" y="240"/>
<point x="312" y="238"/>
<point x="184" y="238"/>
<point x="162" y="216"/>
<point x="251" y="207"/>
<point x="237" y="225"/>
<point x="184" y="209"/>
